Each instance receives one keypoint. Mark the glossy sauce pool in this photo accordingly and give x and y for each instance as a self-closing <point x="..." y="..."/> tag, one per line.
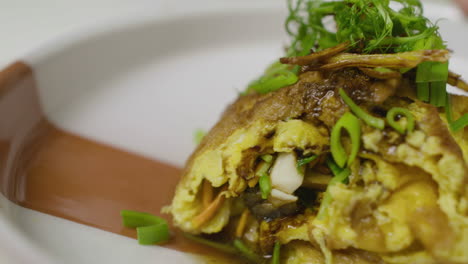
<point x="50" y="170"/>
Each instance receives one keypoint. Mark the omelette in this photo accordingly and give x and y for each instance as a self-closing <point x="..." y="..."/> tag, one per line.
<point x="345" y="151"/>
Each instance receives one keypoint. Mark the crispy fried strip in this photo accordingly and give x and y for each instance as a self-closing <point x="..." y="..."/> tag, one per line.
<point x="396" y="61"/>
<point x="380" y="75"/>
<point x="316" y="56"/>
<point x="455" y="80"/>
<point x="242" y="223"/>
<point x="209" y="211"/>
<point x="207" y="194"/>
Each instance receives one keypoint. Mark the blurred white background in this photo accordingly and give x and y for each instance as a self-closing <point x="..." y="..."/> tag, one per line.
<point x="25" y="24"/>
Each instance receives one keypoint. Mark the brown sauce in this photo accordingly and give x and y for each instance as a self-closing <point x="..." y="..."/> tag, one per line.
<point x="47" y="169"/>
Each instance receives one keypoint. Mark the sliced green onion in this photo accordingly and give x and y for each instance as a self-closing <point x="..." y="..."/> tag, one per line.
<point x="273" y="82"/>
<point x="153" y="234"/>
<point x="151" y="229"/>
<point x="327" y="198"/>
<point x="267" y="158"/>
<point x="367" y="118"/>
<point x="219" y="246"/>
<point x="460" y="123"/>
<point x="432" y="72"/>
<point x="438" y="93"/>
<point x="276" y="253"/>
<point x="349" y="122"/>
<point x="391" y="115"/>
<point x="265" y="185"/>
<point x="246" y="252"/>
<point x="333" y="167"/>
<point x="305" y="161"/>
<point x="198" y="136"/>
<point x="263" y="169"/>
<point x="134" y="219"/>
<point x="422" y="91"/>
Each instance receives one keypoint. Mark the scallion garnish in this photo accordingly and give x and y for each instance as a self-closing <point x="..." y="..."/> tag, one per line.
<point x="262" y="169"/>
<point x="275" y="259"/>
<point x="219" y="246"/>
<point x="267" y="158"/>
<point x="431" y="77"/>
<point x="246" y="252"/>
<point x="460" y="123"/>
<point x="393" y="113"/>
<point x="134" y="219"/>
<point x="151" y="229"/>
<point x="350" y="123"/>
<point x="273" y="81"/>
<point x="333" y="166"/>
<point x="359" y="112"/>
<point x="438" y="92"/>
<point x="153" y="234"/>
<point x="423" y="91"/>
<point x="304" y="161"/>
<point x="265" y="185"/>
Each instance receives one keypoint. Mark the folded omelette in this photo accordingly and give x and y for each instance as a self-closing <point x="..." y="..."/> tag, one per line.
<point x="339" y="154"/>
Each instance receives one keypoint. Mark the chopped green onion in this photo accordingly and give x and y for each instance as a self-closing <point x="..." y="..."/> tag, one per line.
<point x="391" y="115"/>
<point x="305" y="161"/>
<point x="198" y="136"/>
<point x="265" y="185"/>
<point x="153" y="234"/>
<point x="246" y="252"/>
<point x="327" y="198"/>
<point x="134" y="219"/>
<point x="276" y="253"/>
<point x="263" y="169"/>
<point x="367" y="118"/>
<point x="460" y="123"/>
<point x="431" y="77"/>
<point x="430" y="71"/>
<point x="267" y="158"/>
<point x="422" y="91"/>
<point x="219" y="246"/>
<point x="333" y="167"/>
<point x="151" y="229"/>
<point x="273" y="82"/>
<point x="438" y="93"/>
<point x="351" y="124"/>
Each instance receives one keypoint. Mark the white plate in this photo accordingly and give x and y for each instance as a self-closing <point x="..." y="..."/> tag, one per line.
<point x="146" y="73"/>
